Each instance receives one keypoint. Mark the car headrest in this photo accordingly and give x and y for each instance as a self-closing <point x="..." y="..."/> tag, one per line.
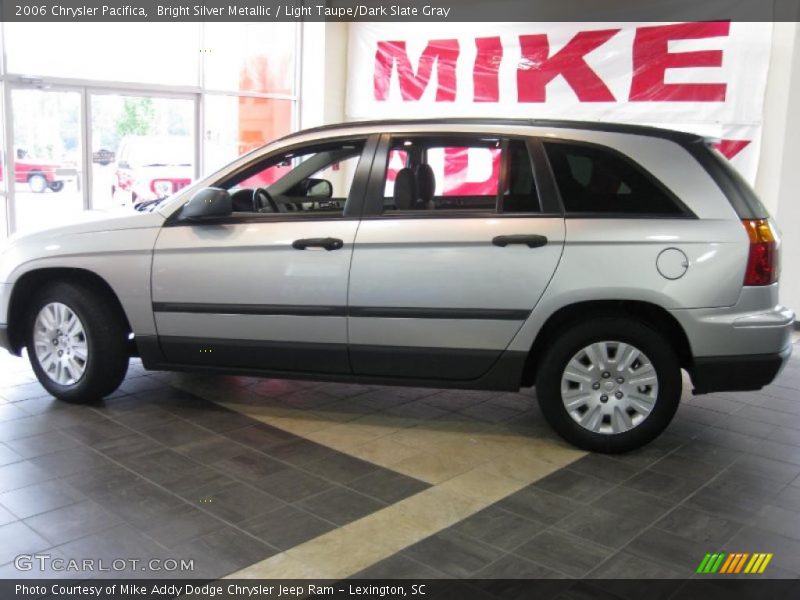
<point x="405" y="189"/>
<point x="426" y="183"/>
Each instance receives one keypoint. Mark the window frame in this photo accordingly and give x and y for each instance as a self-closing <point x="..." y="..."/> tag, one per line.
<point x="353" y="206"/>
<point x="684" y="211"/>
<point x="549" y="204"/>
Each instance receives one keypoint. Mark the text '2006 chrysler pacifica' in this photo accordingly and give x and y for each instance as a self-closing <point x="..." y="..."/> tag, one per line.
<point x="593" y="261"/>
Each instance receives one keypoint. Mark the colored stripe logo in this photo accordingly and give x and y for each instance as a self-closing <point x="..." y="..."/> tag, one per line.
<point x="735" y="562"/>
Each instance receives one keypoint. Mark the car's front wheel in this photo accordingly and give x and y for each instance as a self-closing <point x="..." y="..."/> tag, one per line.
<point x="609" y="385"/>
<point x="57" y="186"/>
<point x="76" y="342"/>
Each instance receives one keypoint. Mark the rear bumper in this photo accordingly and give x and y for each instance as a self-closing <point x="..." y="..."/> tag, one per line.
<point x="737" y="373"/>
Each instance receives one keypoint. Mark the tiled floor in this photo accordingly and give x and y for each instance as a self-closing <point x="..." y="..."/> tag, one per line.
<point x="274" y="478"/>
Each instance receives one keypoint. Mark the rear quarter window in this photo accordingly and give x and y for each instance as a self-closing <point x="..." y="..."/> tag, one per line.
<point x="592" y="179"/>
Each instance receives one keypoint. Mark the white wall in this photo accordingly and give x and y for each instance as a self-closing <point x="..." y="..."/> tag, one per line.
<point x="323" y="79"/>
<point x="778" y="179"/>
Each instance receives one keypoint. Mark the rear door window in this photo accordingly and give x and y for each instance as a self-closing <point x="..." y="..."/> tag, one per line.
<point x="440" y="174"/>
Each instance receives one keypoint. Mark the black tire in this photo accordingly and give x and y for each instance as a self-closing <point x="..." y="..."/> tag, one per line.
<point x="106" y="340"/>
<point x="57" y="186"/>
<point x="654" y="345"/>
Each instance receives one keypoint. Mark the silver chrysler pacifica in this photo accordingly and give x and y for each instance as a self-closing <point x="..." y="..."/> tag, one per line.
<point x="593" y="261"/>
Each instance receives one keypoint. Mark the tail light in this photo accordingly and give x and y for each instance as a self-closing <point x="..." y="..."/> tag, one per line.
<point x="762" y="261"/>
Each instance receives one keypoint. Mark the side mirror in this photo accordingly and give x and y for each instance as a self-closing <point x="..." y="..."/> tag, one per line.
<point x="319" y="188"/>
<point x="207" y="203"/>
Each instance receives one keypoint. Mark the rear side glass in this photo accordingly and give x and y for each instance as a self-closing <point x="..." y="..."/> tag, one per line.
<point x="595" y="180"/>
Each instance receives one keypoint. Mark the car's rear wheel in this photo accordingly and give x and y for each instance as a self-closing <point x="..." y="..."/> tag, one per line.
<point x="76" y="342"/>
<point x="609" y="385"/>
<point x="37" y="183"/>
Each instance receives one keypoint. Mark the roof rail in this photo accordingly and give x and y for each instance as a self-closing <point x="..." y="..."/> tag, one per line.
<point x="680" y="137"/>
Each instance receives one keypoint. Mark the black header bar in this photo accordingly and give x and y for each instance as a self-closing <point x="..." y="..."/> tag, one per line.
<point x="398" y="10"/>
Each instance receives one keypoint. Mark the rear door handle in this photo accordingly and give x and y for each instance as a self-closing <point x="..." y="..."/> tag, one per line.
<point x="531" y="241"/>
<point x="328" y="243"/>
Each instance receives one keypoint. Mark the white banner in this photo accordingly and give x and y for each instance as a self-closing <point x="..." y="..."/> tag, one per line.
<point x="707" y="77"/>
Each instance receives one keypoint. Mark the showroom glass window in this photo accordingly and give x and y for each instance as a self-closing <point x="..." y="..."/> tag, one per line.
<point x="595" y="180"/>
<point x="308" y="181"/>
<point x="218" y="89"/>
<point x="460" y="173"/>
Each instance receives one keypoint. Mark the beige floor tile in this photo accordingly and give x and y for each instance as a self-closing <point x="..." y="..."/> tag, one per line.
<point x="432" y="468"/>
<point x="383" y="452"/>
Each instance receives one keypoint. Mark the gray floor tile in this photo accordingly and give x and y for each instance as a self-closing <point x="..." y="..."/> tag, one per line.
<point x="71" y="461"/>
<point x="19" y="428"/>
<point x="39" y="498"/>
<point x="175" y="433"/>
<point x="624" y="565"/>
<point x="120" y="541"/>
<point x="286" y="527"/>
<point x="17" y="538"/>
<point x="701" y="527"/>
<point x="162" y="466"/>
<point x="604" y="467"/>
<point x="499" y="528"/>
<point x="453" y="554"/>
<point x="669" y="549"/>
<point x="574" y="485"/>
<point x="224" y="551"/>
<point x="71" y="522"/>
<point x="341" y="468"/>
<point x="781" y="472"/>
<point x="176" y="525"/>
<point x="209" y="449"/>
<point x="512" y="566"/>
<point x="260" y="436"/>
<point x="8" y="456"/>
<point x="300" y="452"/>
<point x="248" y="465"/>
<point x="44" y="443"/>
<point x="102" y="480"/>
<point x="9" y="412"/>
<point x="398" y="567"/>
<point x="21" y="474"/>
<point x="138" y="504"/>
<point x="778" y="520"/>
<point x="388" y="486"/>
<point x="340" y="505"/>
<point x="786" y="551"/>
<point x="6" y="517"/>
<point x="235" y="502"/>
<point x="564" y="553"/>
<point x="788" y="498"/>
<point x="627" y="502"/>
<point x="97" y="431"/>
<point x="667" y="487"/>
<point x="538" y="505"/>
<point x="291" y="484"/>
<point x="602" y="526"/>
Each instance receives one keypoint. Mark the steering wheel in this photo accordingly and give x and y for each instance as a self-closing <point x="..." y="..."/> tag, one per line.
<point x="262" y="198"/>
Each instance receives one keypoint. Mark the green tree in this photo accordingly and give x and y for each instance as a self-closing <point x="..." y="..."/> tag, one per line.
<point x="137" y="118"/>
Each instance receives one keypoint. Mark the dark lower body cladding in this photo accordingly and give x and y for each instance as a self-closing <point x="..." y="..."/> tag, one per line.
<point x="737" y="373"/>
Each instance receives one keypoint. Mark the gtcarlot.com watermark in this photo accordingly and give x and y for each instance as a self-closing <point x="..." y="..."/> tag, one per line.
<point x="49" y="563"/>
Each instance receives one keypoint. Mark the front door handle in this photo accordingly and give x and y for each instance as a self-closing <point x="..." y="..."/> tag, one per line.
<point x="328" y="243"/>
<point x="531" y="241"/>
